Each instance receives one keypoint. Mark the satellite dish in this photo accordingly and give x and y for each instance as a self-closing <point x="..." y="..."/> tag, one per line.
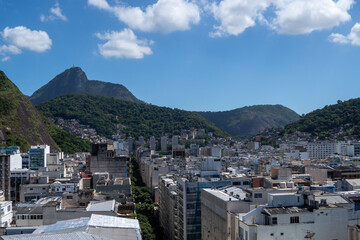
<point x="309" y="235"/>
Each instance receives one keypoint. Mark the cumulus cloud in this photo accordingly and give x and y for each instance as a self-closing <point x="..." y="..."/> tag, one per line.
<point x="304" y="16"/>
<point x="235" y="16"/>
<point x="163" y="16"/>
<point x="24" y="38"/>
<point x="123" y="44"/>
<point x="21" y="38"/>
<point x="289" y="16"/>
<point x="352" y="38"/>
<point x="55" y="13"/>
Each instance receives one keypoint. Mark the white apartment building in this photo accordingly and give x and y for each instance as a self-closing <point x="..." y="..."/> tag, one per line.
<point x="299" y="216"/>
<point x="164" y="143"/>
<point x="6" y="213"/>
<point x="15" y="157"/>
<point x="175" y="141"/>
<point x="59" y="188"/>
<point x="322" y="150"/>
<point x="152" y="143"/>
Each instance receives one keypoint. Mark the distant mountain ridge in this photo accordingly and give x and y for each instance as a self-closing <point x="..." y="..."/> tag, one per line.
<point x="247" y="121"/>
<point x="241" y="122"/>
<point x="74" y="80"/>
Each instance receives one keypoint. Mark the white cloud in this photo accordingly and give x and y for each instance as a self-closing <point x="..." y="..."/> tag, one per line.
<point x="338" y="38"/>
<point x="102" y="4"/>
<point x="4" y="59"/>
<point x="290" y="16"/>
<point x="305" y="16"/>
<point x="55" y="13"/>
<point x="353" y="38"/>
<point x="164" y="16"/>
<point x="19" y="38"/>
<point x="24" y="38"/>
<point x="235" y="16"/>
<point x="5" y="49"/>
<point x="123" y="44"/>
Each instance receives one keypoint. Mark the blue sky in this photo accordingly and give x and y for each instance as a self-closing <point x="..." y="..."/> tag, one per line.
<point x="194" y="55"/>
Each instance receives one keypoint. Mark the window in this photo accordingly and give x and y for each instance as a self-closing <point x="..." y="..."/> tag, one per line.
<point x="241" y="233"/>
<point x="294" y="219"/>
<point x="68" y="197"/>
<point x="267" y="220"/>
<point x="274" y="221"/>
<point x="258" y="195"/>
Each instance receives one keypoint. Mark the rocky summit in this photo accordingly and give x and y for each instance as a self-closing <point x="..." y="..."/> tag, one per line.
<point x="74" y="80"/>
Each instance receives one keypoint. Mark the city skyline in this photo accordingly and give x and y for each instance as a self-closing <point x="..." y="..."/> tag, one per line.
<point x="209" y="56"/>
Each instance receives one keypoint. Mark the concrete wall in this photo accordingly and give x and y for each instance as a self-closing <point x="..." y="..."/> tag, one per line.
<point x="115" y="166"/>
<point x="15" y="161"/>
<point x="317" y="174"/>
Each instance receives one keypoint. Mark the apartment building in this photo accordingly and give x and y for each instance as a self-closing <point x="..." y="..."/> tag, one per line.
<point x="302" y="215"/>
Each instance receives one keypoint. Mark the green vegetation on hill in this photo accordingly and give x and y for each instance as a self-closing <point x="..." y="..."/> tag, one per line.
<point x="247" y="121"/>
<point x="6" y="106"/>
<point x="323" y="122"/>
<point x="68" y="142"/>
<point x="136" y="119"/>
<point x="20" y="122"/>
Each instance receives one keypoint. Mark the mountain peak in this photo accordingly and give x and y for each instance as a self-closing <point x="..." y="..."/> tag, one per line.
<point x="74" y="80"/>
<point x="74" y="75"/>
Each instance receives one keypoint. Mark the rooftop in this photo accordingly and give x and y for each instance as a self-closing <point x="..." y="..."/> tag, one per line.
<point x="354" y="182"/>
<point x="56" y="236"/>
<point x="228" y="194"/>
<point x="332" y="199"/>
<point x="101" y="206"/>
<point x="97" y="227"/>
<point x="284" y="210"/>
